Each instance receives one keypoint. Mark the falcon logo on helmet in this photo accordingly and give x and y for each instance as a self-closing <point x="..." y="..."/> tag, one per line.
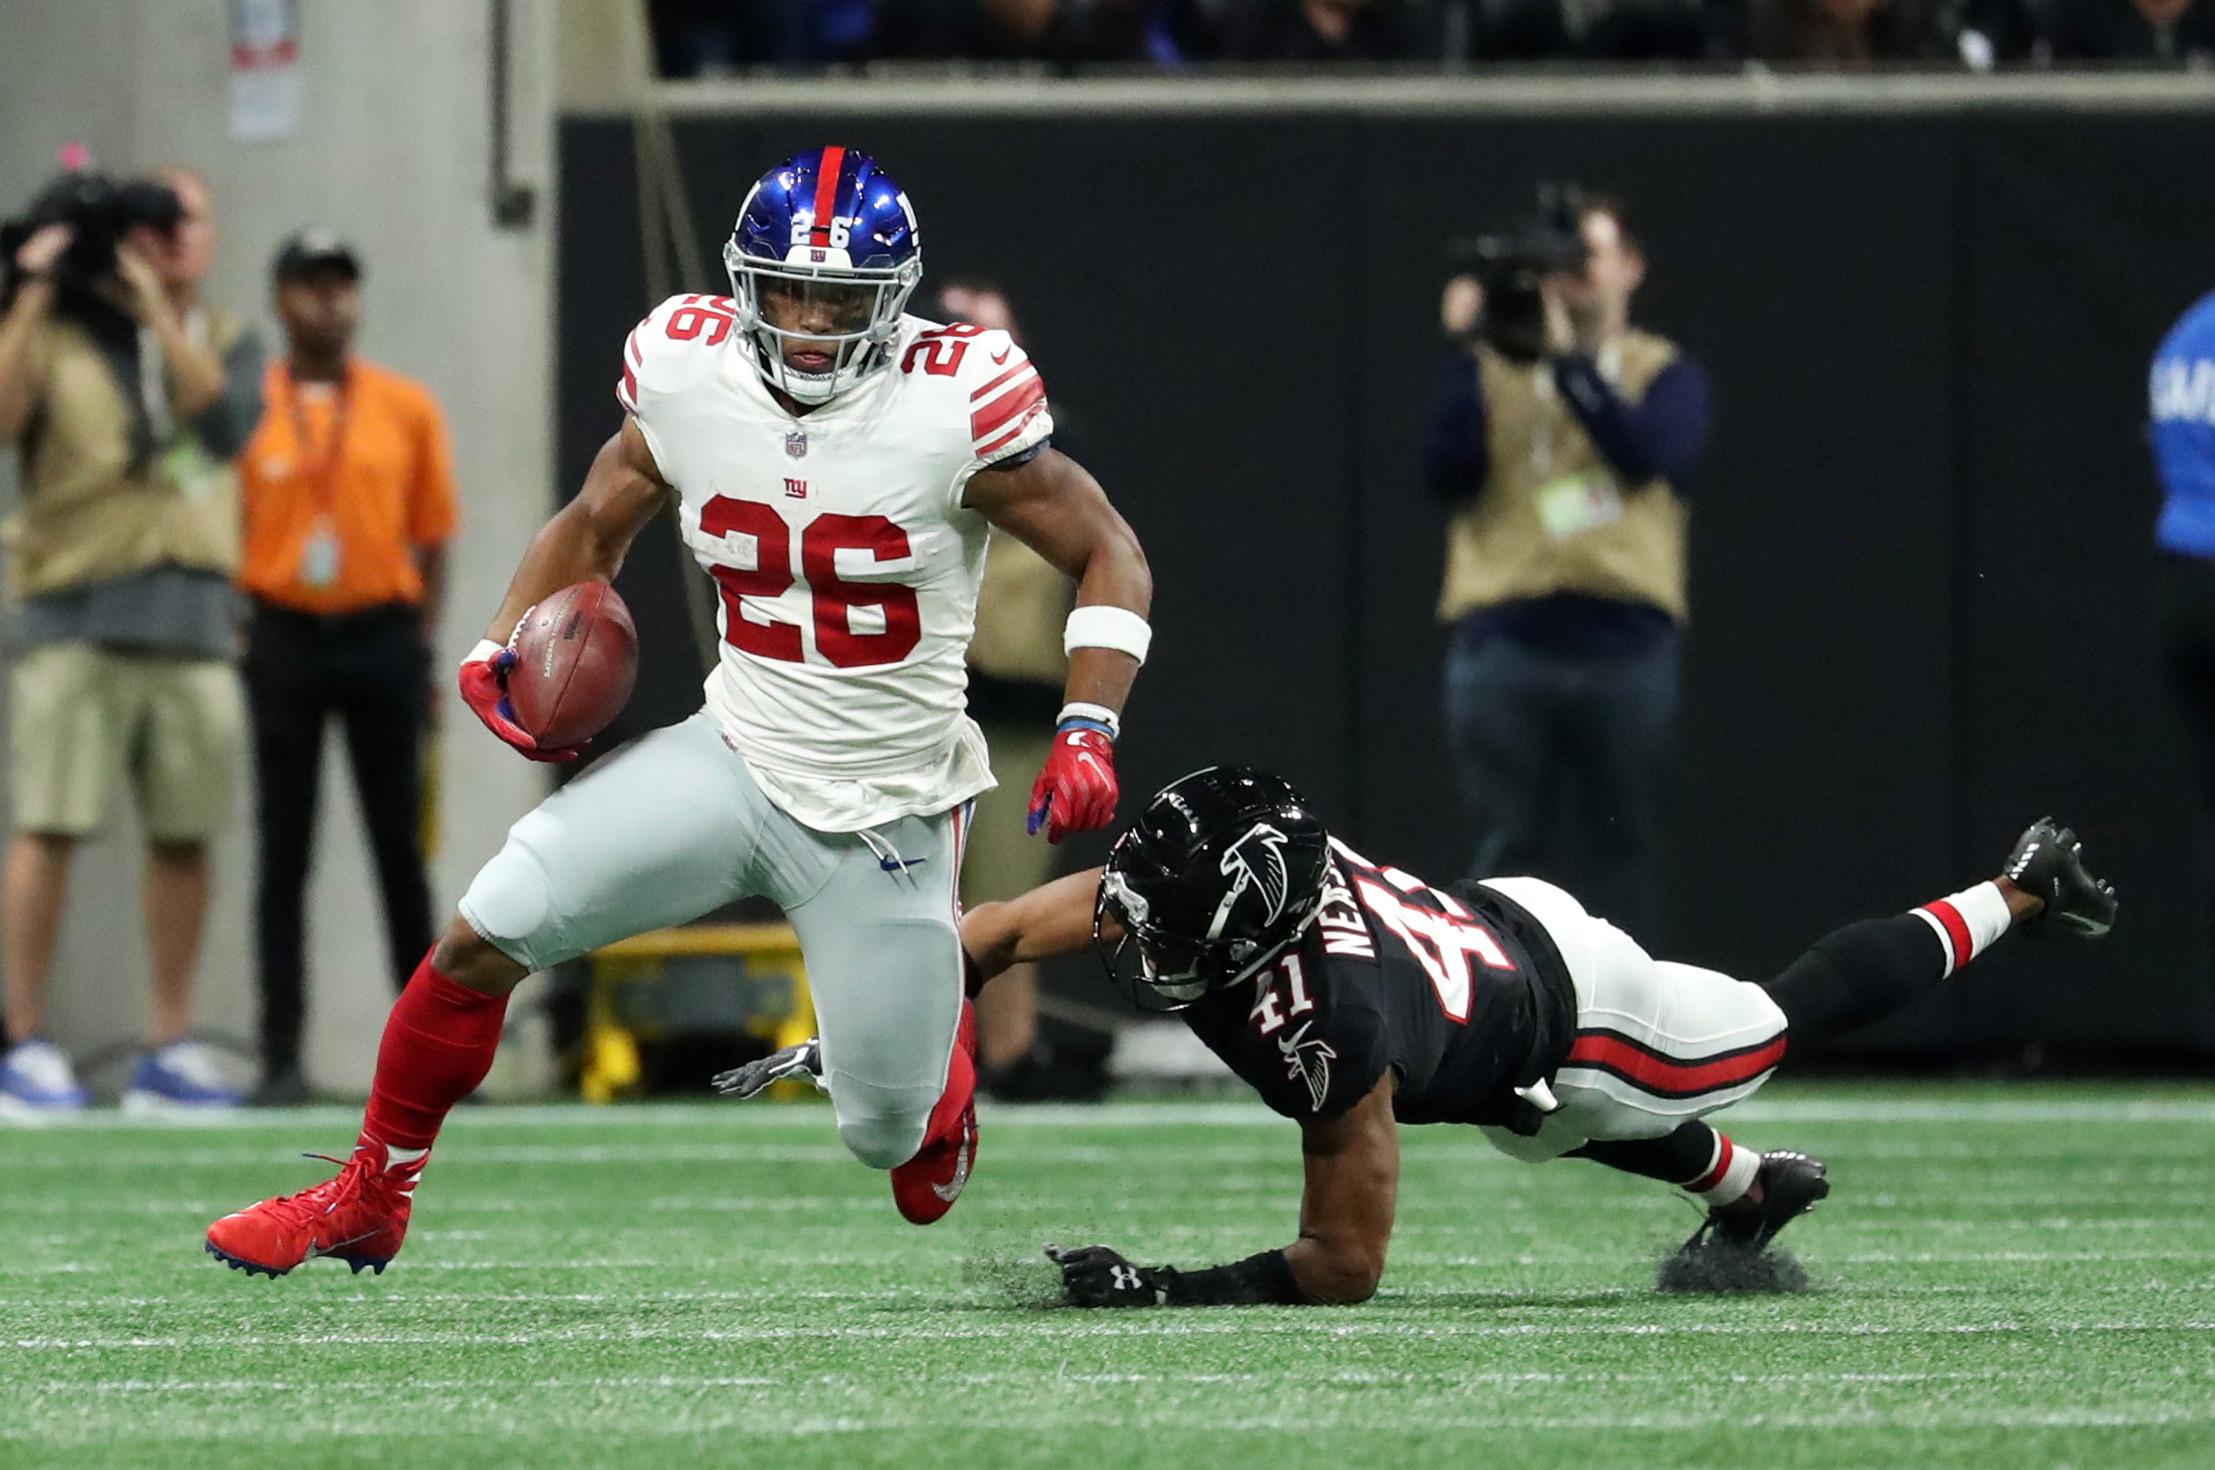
<point x="1220" y="874"/>
<point x="1255" y="860"/>
<point x="822" y="261"/>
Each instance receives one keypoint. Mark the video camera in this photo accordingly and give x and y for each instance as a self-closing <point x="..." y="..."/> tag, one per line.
<point x="99" y="211"/>
<point x="1511" y="263"/>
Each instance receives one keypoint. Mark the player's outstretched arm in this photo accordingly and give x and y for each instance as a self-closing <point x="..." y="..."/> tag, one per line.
<point x="588" y="538"/>
<point x="585" y="541"/>
<point x="1053" y="505"/>
<point x="1353" y="1183"/>
<point x="1052" y="920"/>
<point x="1353" y="1188"/>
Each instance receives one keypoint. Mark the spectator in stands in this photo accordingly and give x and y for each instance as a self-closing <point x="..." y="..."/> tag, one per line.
<point x="348" y="490"/>
<point x="1064" y="32"/>
<point x="126" y="399"/>
<point x="2173" y="31"/>
<point x="1997" y="32"/>
<point x="710" y="38"/>
<point x="1317" y="31"/>
<point x="1847" y="34"/>
<point x="1655" y="30"/>
<point x="1563" y="451"/>
<point x="1612" y="30"/>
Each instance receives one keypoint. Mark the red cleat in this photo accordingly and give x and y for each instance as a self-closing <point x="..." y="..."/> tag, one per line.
<point x="360" y="1217"/>
<point x="926" y="1186"/>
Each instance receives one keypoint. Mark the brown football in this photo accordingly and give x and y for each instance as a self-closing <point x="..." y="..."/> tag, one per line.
<point x="576" y="658"/>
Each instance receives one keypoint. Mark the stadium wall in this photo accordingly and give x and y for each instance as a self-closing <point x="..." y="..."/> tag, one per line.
<point x="1921" y="546"/>
<point x="392" y="152"/>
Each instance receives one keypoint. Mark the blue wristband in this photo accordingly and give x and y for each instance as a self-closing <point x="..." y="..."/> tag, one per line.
<point x="1082" y="722"/>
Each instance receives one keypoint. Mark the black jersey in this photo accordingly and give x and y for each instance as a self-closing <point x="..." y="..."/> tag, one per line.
<point x="1460" y="992"/>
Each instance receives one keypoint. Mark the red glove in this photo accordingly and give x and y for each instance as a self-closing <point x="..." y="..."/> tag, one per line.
<point x="484" y="686"/>
<point x="1076" y="791"/>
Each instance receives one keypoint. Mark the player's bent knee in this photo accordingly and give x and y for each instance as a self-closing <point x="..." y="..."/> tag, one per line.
<point x="468" y="958"/>
<point x="885" y="1142"/>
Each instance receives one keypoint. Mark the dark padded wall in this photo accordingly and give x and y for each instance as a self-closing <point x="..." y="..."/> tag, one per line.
<point x="2088" y="237"/>
<point x="1920" y="553"/>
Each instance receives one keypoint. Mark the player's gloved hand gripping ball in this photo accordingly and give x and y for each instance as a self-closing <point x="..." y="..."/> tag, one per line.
<point x="1076" y="789"/>
<point x="565" y="672"/>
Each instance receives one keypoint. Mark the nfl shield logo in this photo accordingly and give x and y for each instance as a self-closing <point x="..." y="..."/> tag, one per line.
<point x="796" y="444"/>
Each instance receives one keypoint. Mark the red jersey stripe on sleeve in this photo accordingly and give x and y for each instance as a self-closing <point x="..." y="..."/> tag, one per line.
<point x="1012" y="405"/>
<point x="1012" y="373"/>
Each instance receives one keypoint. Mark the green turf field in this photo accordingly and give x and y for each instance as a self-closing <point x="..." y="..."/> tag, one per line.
<point x="2004" y="1278"/>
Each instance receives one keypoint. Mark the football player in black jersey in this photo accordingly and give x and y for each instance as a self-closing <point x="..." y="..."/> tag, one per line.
<point x="1354" y="997"/>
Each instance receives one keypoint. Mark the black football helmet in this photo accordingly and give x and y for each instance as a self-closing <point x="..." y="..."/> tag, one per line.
<point x="1221" y="872"/>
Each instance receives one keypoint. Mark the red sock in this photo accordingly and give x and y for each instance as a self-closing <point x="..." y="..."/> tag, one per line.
<point x="438" y="1046"/>
<point x="961" y="1089"/>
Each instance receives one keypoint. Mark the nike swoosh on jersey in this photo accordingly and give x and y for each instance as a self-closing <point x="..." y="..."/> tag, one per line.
<point x="1000" y="358"/>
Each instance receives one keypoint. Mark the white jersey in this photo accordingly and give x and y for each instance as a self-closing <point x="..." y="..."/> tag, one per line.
<point x="847" y="566"/>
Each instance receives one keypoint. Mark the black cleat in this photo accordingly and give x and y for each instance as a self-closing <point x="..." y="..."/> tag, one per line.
<point x="2048" y="863"/>
<point x="1791" y="1185"/>
<point x="804" y="1060"/>
<point x="1729" y="1253"/>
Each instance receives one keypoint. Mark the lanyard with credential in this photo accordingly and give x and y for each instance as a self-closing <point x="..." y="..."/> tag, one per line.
<point x="319" y="558"/>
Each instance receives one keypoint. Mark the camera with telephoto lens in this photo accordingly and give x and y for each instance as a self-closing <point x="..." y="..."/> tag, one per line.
<point x="99" y="211"/>
<point x="1511" y="263"/>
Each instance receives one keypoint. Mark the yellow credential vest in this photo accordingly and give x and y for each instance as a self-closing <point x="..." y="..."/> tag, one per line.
<point x="1553" y="516"/>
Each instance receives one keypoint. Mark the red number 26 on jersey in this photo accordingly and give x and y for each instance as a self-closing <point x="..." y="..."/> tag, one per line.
<point x="833" y="599"/>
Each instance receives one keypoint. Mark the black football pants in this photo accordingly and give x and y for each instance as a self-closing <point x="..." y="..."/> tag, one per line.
<point x="1563" y="761"/>
<point x="371" y="670"/>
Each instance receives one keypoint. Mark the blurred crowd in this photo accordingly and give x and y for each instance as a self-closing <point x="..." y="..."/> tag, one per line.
<point x="706" y="38"/>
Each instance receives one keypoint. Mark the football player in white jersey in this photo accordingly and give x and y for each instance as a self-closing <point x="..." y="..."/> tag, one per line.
<point x="836" y="467"/>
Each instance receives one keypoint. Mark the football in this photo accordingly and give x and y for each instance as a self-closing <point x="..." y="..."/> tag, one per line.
<point x="576" y="658"/>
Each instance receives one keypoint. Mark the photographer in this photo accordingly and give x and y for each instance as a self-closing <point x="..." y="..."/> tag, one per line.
<point x="126" y="399"/>
<point x="1562" y="442"/>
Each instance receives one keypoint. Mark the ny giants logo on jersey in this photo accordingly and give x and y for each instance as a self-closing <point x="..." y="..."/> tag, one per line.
<point x="795" y="489"/>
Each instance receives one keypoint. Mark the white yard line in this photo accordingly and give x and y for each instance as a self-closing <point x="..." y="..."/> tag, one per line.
<point x="1377" y="1425"/>
<point x="1236" y="1113"/>
<point x="1078" y="1327"/>
<point x="1444" y="1377"/>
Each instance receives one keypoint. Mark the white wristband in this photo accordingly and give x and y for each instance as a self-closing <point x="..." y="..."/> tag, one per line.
<point x="1105" y="626"/>
<point x="1077" y="709"/>
<point x="485" y="651"/>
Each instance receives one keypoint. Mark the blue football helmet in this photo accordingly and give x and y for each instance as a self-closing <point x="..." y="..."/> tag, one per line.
<point x="822" y="260"/>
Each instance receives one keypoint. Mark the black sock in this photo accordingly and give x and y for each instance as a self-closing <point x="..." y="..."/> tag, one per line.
<point x="1671" y="1158"/>
<point x="1861" y="972"/>
<point x="1695" y="1158"/>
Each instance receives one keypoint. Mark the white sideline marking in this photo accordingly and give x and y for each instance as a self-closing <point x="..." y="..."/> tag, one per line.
<point x="1508" y="1255"/>
<point x="1274" y="1324"/>
<point x="1228" y="1114"/>
<point x="1280" y="1428"/>
<point x="1351" y="1378"/>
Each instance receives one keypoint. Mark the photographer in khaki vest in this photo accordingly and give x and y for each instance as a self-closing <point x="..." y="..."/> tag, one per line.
<point x="1562" y="443"/>
<point x="125" y="396"/>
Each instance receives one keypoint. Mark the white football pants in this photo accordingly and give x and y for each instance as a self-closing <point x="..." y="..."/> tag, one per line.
<point x="673" y="826"/>
<point x="1657" y="1042"/>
